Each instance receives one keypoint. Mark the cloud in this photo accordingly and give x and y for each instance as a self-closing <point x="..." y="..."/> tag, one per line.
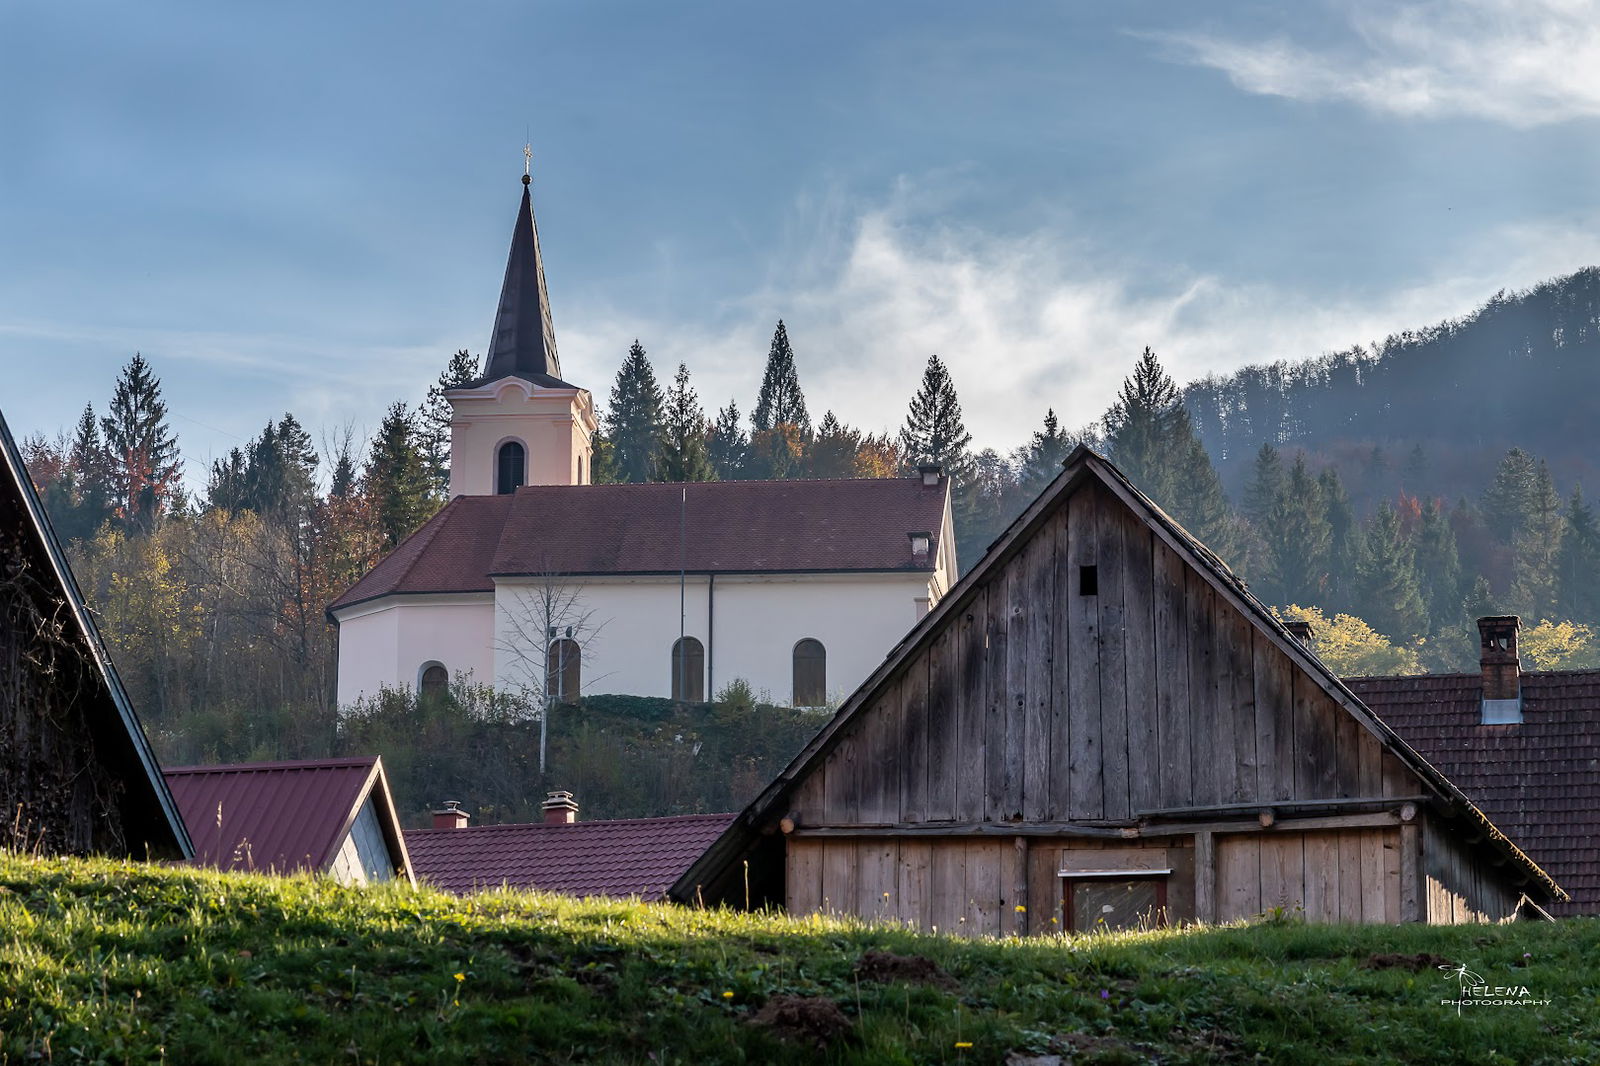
<point x="1524" y="63"/>
<point x="1038" y="321"/>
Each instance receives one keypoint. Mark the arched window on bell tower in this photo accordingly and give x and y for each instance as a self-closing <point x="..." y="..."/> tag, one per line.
<point x="511" y="467"/>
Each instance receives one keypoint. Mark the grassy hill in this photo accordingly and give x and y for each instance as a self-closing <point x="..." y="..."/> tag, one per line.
<point x="117" y="962"/>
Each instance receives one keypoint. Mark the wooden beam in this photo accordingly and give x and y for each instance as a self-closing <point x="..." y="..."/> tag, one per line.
<point x="968" y="829"/>
<point x="1279" y="826"/>
<point x="1410" y="871"/>
<point x="1282" y="806"/>
<point x="1022" y="909"/>
<point x="1205" y="879"/>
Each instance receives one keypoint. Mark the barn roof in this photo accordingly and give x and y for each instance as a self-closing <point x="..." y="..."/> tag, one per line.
<point x="1082" y="464"/>
<point x="282" y="817"/>
<point x="817" y="526"/>
<point x="151" y="822"/>
<point x="1539" y="780"/>
<point x="622" y="857"/>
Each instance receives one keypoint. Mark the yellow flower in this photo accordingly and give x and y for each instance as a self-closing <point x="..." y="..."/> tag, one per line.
<point x="727" y="994"/>
<point x="1021" y="909"/>
<point x="963" y="1043"/>
<point x="461" y="977"/>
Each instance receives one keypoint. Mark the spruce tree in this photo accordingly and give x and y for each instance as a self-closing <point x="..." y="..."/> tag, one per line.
<point x="1505" y="502"/>
<point x="1346" y="544"/>
<point x="633" y="417"/>
<point x="682" y="452"/>
<point x="1040" y="459"/>
<point x="933" y="431"/>
<point x="142" y="453"/>
<point x="780" y="402"/>
<point x="834" y="449"/>
<point x="727" y="446"/>
<point x="462" y="369"/>
<point x="397" y="479"/>
<point x="1265" y="493"/>
<point x="1578" y="565"/>
<point x="1301" y="549"/>
<point x="227" y="487"/>
<point x="1536" y="547"/>
<point x="602" y="460"/>
<point x="1389" y="597"/>
<point x="91" y="476"/>
<point x="1439" y="568"/>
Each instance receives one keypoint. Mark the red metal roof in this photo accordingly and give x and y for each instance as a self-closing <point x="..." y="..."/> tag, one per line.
<point x="622" y="857"/>
<point x="1538" y="781"/>
<point x="856" y="524"/>
<point x="274" y="817"/>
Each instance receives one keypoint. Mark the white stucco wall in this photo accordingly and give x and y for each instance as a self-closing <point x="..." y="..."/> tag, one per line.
<point x="757" y="622"/>
<point x="388" y="641"/>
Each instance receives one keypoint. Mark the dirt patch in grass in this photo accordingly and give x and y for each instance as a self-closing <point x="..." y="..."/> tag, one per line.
<point x="814" y="1020"/>
<point x="884" y="967"/>
<point x="1422" y="960"/>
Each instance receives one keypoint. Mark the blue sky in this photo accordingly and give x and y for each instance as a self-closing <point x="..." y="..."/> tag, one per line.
<point x="306" y="207"/>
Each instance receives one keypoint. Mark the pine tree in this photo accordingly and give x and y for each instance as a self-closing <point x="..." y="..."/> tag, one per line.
<point x="1265" y="493"/>
<point x="834" y="450"/>
<point x="1346" y="545"/>
<point x="90" y="470"/>
<point x="397" y="479"/>
<point x="602" y="460"/>
<point x="1439" y="568"/>
<point x="1301" y="549"/>
<point x="682" y="453"/>
<point x="1389" y="597"/>
<point x="780" y="402"/>
<point x="1578" y="566"/>
<point x="436" y="413"/>
<point x="633" y="418"/>
<point x="227" y="488"/>
<point x="1264" y="506"/>
<point x="1040" y="459"/>
<point x="727" y="446"/>
<point x="142" y="451"/>
<point x="1505" y="502"/>
<point x="933" y="431"/>
<point x="1536" y="547"/>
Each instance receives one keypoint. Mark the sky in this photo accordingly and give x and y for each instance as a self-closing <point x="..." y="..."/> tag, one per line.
<point x="307" y="207"/>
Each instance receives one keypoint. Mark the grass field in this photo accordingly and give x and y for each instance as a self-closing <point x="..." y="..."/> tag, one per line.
<point x="115" y="962"/>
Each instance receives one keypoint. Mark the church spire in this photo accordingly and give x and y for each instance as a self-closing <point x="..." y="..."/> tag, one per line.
<point x="524" y="342"/>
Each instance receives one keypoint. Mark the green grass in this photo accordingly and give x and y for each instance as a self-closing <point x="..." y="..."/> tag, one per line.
<point x="118" y="962"/>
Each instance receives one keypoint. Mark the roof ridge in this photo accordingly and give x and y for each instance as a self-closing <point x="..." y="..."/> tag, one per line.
<point x="729" y="816"/>
<point x="347" y="762"/>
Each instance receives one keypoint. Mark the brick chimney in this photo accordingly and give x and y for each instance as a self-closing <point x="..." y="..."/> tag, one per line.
<point x="931" y="472"/>
<point x="1502" y="669"/>
<point x="450" y="816"/>
<point x="560" y="809"/>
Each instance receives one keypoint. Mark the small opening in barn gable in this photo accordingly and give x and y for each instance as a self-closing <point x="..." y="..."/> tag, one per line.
<point x="1088" y="581"/>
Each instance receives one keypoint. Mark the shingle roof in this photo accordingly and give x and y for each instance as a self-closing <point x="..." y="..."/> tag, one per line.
<point x="622" y="857"/>
<point x="277" y="817"/>
<point x="816" y="526"/>
<point x="1539" y="781"/>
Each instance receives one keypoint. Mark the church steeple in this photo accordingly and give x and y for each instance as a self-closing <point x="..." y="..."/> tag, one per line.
<point x="524" y="342"/>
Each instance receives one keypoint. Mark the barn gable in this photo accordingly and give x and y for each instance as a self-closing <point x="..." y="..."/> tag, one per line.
<point x="1101" y="678"/>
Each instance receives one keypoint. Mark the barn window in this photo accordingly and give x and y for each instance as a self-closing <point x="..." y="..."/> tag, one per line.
<point x="810" y="673"/>
<point x="435" y="680"/>
<point x="1115" y="901"/>
<point x="511" y="468"/>
<point x="564" y="671"/>
<point x="1088" y="581"/>
<point x="688" y="670"/>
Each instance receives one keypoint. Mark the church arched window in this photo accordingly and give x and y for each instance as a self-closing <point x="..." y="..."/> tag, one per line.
<point x="810" y="673"/>
<point x="434" y="680"/>
<point x="511" y="467"/>
<point x="688" y="670"/>
<point x="564" y="671"/>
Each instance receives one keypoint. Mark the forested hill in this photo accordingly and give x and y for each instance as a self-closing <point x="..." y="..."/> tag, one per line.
<point x="1440" y="405"/>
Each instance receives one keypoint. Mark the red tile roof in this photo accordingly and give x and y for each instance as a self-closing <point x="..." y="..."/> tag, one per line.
<point x="276" y="817"/>
<point x="622" y="857"/>
<point x="1538" y="781"/>
<point x="856" y="524"/>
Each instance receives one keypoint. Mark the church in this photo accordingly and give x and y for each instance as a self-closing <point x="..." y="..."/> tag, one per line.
<point x="533" y="579"/>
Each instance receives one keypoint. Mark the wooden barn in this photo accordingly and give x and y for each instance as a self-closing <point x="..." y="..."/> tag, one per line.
<point x="1099" y="727"/>
<point x="77" y="775"/>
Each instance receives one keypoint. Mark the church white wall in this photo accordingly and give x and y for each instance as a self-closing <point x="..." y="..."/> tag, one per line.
<point x="386" y="643"/>
<point x="757" y="621"/>
<point x="553" y="425"/>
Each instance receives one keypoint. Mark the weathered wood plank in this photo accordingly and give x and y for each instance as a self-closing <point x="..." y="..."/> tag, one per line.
<point x="1083" y="619"/>
<point x="1020" y="898"/>
<point x="942" y="729"/>
<point x="1171" y="673"/>
<point x="1205" y="878"/>
<point x="839" y="881"/>
<point x="1039" y="684"/>
<point x="907" y="769"/>
<point x="1238" y="877"/>
<point x="1138" y="598"/>
<point x="970" y="663"/>
<point x="1370" y="781"/>
<point x="1393" y="907"/>
<point x="998" y="786"/>
<point x="1114" y="665"/>
<point x="803" y="877"/>
<point x="877" y="878"/>
<point x="878" y="759"/>
<point x="809" y="803"/>
<point x="912" y="902"/>
<point x="1205" y="748"/>
<point x="1059" y="804"/>
<point x="1397" y="779"/>
<point x="947" y="886"/>
<point x="1241" y="701"/>
<point x="1373" y="895"/>
<point x="1349" y="733"/>
<point x="987" y="875"/>
<point x="1350" y="888"/>
<point x="842" y="800"/>
<point x="1283" y="872"/>
<point x="1411" y="900"/>
<point x="1321" y="878"/>
<point x="1274" y="720"/>
<point x="1044" y="888"/>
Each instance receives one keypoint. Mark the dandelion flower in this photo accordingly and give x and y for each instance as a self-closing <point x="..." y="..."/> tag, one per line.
<point x="461" y="977"/>
<point x="1021" y="909"/>
<point x="963" y="1043"/>
<point x="727" y="994"/>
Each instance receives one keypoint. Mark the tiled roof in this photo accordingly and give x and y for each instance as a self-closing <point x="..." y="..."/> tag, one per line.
<point x="274" y="817"/>
<point x="858" y="524"/>
<point x="1538" y="781"/>
<point x="623" y="857"/>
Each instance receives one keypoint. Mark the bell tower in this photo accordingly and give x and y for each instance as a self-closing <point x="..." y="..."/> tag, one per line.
<point x="520" y="424"/>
